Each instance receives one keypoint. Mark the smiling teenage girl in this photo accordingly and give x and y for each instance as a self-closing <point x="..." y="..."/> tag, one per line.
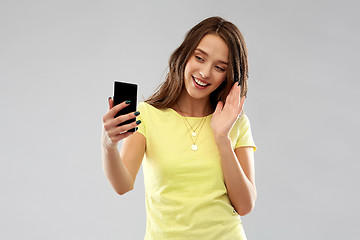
<point x="194" y="140"/>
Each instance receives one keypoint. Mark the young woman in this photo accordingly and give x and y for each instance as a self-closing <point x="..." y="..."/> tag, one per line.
<point x="193" y="140"/>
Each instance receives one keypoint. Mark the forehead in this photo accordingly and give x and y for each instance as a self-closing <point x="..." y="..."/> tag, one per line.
<point x="214" y="46"/>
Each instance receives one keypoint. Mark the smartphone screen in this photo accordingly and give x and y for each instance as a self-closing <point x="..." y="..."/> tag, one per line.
<point x="123" y="92"/>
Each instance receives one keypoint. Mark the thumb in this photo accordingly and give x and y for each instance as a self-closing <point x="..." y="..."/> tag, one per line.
<point x="219" y="107"/>
<point x="111" y="103"/>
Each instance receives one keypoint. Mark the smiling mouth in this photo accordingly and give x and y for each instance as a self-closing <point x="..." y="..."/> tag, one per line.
<point x="200" y="83"/>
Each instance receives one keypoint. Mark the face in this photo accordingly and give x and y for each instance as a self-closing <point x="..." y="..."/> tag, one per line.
<point x="206" y="69"/>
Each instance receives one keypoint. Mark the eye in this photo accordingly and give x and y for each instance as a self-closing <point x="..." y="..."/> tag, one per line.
<point x="220" y="69"/>
<point x="200" y="59"/>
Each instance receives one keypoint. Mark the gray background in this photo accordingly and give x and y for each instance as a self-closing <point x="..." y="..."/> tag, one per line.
<point x="58" y="61"/>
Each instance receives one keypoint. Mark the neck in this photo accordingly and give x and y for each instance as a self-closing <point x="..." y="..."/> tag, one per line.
<point x="190" y="107"/>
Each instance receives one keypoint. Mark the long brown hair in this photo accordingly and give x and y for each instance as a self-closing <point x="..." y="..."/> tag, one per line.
<point x="169" y="91"/>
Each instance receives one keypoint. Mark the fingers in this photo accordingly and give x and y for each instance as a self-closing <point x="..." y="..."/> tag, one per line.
<point x="233" y="98"/>
<point x="114" y="109"/>
<point x="237" y="92"/>
<point x="219" y="107"/>
<point x="123" y="118"/>
<point x="113" y="133"/>
<point x="111" y="123"/>
<point x="121" y="130"/>
<point x="242" y="102"/>
<point x="114" y="139"/>
<point x="240" y="106"/>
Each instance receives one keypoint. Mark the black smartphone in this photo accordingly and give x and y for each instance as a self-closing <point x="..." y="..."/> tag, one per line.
<point x="124" y="92"/>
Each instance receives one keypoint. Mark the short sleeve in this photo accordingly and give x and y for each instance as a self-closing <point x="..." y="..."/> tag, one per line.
<point x="142" y="117"/>
<point x="244" y="138"/>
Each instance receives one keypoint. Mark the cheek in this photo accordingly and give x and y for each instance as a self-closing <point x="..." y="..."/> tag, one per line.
<point x="221" y="79"/>
<point x="190" y="65"/>
<point x="187" y="69"/>
<point x="220" y="84"/>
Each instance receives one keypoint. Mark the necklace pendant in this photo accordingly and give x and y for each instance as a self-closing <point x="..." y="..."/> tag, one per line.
<point x="194" y="134"/>
<point x="194" y="147"/>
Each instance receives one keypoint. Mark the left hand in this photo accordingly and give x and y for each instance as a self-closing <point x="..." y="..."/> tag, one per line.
<point x="224" y="117"/>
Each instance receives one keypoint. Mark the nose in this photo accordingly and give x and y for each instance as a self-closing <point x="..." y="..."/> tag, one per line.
<point x="205" y="71"/>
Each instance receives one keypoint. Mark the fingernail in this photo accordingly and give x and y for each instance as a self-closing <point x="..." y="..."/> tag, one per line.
<point x="128" y="101"/>
<point x="138" y="122"/>
<point x="136" y="113"/>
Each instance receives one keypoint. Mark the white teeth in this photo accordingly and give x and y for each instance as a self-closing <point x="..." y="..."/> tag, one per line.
<point x="200" y="83"/>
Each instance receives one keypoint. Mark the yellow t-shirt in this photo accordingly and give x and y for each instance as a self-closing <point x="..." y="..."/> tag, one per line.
<point x="185" y="194"/>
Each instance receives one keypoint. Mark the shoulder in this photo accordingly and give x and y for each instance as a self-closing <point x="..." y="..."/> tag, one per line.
<point x="147" y="109"/>
<point x="142" y="106"/>
<point x="241" y="127"/>
<point x="242" y="121"/>
<point x="146" y="106"/>
<point x="241" y="132"/>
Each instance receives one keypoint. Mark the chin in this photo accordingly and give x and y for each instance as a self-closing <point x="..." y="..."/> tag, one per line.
<point x="199" y="96"/>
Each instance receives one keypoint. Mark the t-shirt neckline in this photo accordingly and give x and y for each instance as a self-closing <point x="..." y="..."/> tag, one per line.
<point x="188" y="117"/>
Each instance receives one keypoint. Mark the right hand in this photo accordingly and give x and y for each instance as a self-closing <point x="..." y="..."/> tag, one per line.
<point x="112" y="133"/>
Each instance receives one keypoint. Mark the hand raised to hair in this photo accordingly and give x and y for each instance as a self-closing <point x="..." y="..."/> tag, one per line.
<point x="225" y="116"/>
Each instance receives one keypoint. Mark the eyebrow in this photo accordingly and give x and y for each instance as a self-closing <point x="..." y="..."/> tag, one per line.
<point x="205" y="53"/>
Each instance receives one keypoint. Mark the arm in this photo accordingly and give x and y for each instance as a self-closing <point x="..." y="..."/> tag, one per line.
<point x="239" y="175"/>
<point x="115" y="170"/>
<point x="121" y="170"/>
<point x="238" y="165"/>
